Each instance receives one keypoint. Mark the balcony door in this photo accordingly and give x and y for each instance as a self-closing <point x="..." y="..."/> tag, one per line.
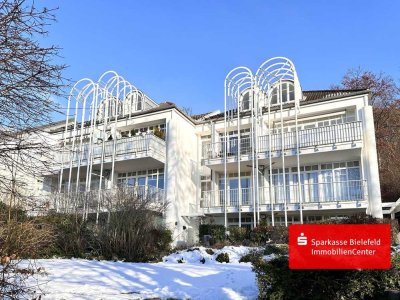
<point x="355" y="186"/>
<point x="340" y="184"/>
<point x="311" y="187"/>
<point x="233" y="187"/>
<point x="327" y="186"/>
<point x="281" y="189"/>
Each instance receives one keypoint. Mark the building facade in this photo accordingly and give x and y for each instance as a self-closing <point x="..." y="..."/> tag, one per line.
<point x="276" y="154"/>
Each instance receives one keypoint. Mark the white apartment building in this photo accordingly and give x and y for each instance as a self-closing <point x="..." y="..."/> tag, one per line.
<point x="276" y="153"/>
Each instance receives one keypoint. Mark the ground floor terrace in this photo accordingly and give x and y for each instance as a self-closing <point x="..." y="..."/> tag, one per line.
<point x="277" y="218"/>
<point x="320" y="189"/>
<point x="318" y="184"/>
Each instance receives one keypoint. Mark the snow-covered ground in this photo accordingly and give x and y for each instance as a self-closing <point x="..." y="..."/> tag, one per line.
<point x="90" y="279"/>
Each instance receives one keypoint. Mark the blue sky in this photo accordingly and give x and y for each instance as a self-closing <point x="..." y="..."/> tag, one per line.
<point x="180" y="51"/>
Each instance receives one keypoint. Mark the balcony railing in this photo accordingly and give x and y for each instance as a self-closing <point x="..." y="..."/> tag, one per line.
<point x="105" y="200"/>
<point x="139" y="145"/>
<point x="335" y="191"/>
<point x="312" y="137"/>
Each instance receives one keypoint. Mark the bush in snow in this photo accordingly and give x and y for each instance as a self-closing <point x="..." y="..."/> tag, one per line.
<point x="252" y="257"/>
<point x="222" y="257"/>
<point x="217" y="232"/>
<point x="133" y="230"/>
<point x="258" y="236"/>
<point x="366" y="219"/>
<point x="130" y="229"/>
<point x="209" y="251"/>
<point x="238" y="234"/>
<point x="24" y="238"/>
<point x="263" y="234"/>
<point x="276" y="249"/>
<point x="28" y="239"/>
<point x="277" y="281"/>
<point x="74" y="237"/>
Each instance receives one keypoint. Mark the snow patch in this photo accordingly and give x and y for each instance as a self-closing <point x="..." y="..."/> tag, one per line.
<point x="199" y="254"/>
<point x="90" y="279"/>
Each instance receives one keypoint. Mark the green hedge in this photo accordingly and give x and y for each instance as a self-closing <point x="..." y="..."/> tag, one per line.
<point x="263" y="234"/>
<point x="258" y="236"/>
<point x="123" y="240"/>
<point x="217" y="232"/>
<point x="366" y="219"/>
<point x="277" y="281"/>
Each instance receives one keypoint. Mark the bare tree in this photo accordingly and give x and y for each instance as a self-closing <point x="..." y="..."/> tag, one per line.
<point x="384" y="99"/>
<point x="186" y="110"/>
<point x="134" y="229"/>
<point x="29" y="79"/>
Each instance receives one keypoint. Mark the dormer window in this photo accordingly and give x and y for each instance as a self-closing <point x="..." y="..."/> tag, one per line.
<point x="287" y="92"/>
<point x="134" y="102"/>
<point x="246" y="101"/>
<point x="139" y="103"/>
<point x="109" y="108"/>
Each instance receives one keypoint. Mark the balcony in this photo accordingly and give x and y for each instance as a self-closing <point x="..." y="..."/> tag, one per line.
<point x="315" y="195"/>
<point x="105" y="200"/>
<point x="308" y="138"/>
<point x="126" y="148"/>
<point x="313" y="137"/>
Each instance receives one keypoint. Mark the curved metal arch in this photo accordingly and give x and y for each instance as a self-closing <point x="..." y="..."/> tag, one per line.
<point x="242" y="77"/>
<point x="103" y="76"/>
<point x="119" y="89"/>
<point x="275" y="70"/>
<point x="237" y="81"/>
<point x="130" y="101"/>
<point x="269" y="76"/>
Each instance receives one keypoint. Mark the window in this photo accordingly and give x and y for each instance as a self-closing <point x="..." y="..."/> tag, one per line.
<point x="339" y="181"/>
<point x="232" y="142"/>
<point x="152" y="178"/>
<point x="137" y="131"/>
<point x="286" y="93"/>
<point x="246" y="101"/>
<point x="206" y="146"/>
<point x="205" y="184"/>
<point x="161" y="179"/>
<point x="139" y="105"/>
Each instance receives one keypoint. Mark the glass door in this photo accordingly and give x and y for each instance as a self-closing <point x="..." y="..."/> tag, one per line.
<point x="295" y="188"/>
<point x="246" y="191"/>
<point x="327" y="185"/>
<point x="340" y="184"/>
<point x="311" y="187"/>
<point x="221" y="191"/>
<point x="279" y="188"/>
<point x="141" y="188"/>
<point x="233" y="192"/>
<point x="355" y="184"/>
<point x="233" y="145"/>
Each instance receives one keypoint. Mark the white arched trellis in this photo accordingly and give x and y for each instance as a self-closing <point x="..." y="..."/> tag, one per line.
<point x="93" y="111"/>
<point x="261" y="86"/>
<point x="238" y="82"/>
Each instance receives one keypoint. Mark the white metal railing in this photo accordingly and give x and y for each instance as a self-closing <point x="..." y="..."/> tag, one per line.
<point x="94" y="201"/>
<point x="135" y="144"/>
<point x="333" y="134"/>
<point x="334" y="191"/>
<point x="311" y="137"/>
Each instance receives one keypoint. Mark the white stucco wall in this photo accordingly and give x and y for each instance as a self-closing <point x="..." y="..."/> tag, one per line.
<point x="181" y="177"/>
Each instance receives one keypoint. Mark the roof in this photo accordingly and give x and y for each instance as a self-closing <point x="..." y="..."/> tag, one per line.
<point x="324" y="94"/>
<point x="162" y="106"/>
<point x="308" y="98"/>
<point x="199" y="116"/>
